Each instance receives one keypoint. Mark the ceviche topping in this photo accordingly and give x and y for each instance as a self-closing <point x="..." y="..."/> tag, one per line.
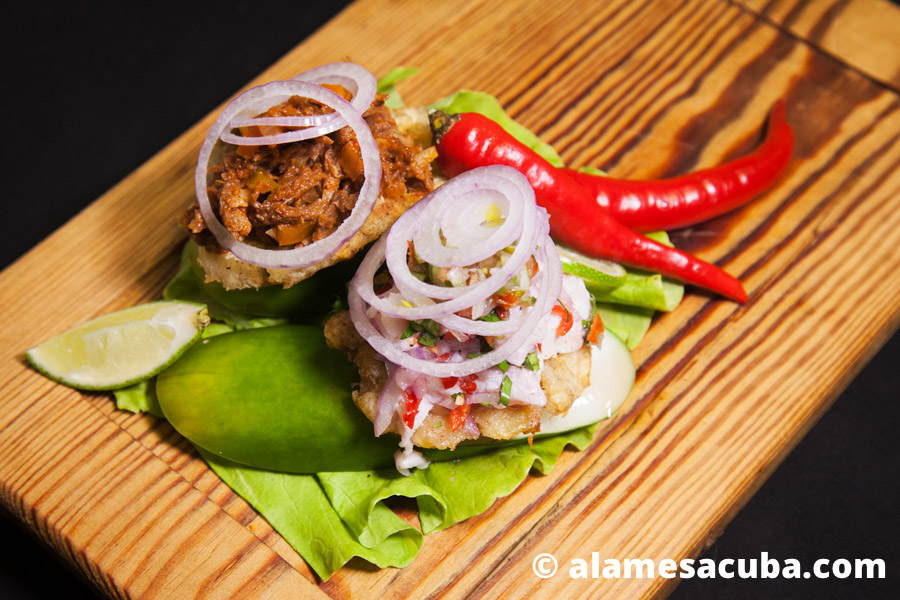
<point x="472" y="302"/>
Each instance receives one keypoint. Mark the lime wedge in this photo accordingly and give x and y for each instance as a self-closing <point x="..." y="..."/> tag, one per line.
<point x="121" y="348"/>
<point x="604" y="273"/>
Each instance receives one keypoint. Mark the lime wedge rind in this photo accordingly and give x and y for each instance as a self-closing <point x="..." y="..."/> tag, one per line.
<point x="121" y="348"/>
<point x="603" y="273"/>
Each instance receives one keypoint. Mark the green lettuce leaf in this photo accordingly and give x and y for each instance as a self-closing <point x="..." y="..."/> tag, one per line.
<point x="330" y="518"/>
<point x="592" y="171"/>
<point x="140" y="397"/>
<point x="297" y="508"/>
<point x="628" y="323"/>
<point x="468" y="487"/>
<point x="642" y="288"/>
<point x="489" y="106"/>
<point x="388" y="85"/>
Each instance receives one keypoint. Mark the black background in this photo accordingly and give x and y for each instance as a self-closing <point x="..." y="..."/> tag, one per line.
<point x="90" y="94"/>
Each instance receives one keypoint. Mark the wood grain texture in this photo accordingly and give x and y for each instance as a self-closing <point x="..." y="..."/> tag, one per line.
<point x="862" y="33"/>
<point x="643" y="89"/>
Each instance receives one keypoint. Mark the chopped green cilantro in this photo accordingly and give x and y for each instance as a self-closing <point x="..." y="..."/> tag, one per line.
<point x="431" y="327"/>
<point x="505" y="388"/>
<point x="427" y="328"/>
<point x="427" y="339"/>
<point x="491" y="317"/>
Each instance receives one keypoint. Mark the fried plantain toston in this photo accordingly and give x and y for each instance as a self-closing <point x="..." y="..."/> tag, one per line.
<point x="563" y="379"/>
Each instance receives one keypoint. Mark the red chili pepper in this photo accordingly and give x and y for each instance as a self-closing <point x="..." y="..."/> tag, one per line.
<point x="565" y="319"/>
<point x="458" y="416"/>
<point x="696" y="197"/>
<point x="412" y="408"/>
<point x="471" y="140"/>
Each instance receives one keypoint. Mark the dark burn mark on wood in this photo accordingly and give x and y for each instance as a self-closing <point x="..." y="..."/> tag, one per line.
<point x="810" y="215"/>
<point x="694" y="239"/>
<point x="768" y="6"/>
<point x="645" y="80"/>
<point x="615" y="158"/>
<point x="818" y="32"/>
<point x="727" y="108"/>
<point x="845" y="90"/>
<point x="544" y="76"/>
<point x="600" y="76"/>
<point x="792" y="16"/>
<point x="822" y="99"/>
<point x="257" y="586"/>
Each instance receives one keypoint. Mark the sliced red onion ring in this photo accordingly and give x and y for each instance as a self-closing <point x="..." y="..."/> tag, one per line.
<point x="387" y="399"/>
<point x="532" y="240"/>
<point x="280" y="121"/>
<point x="391" y="351"/>
<point x="356" y="79"/>
<point x="527" y="227"/>
<point x="255" y="101"/>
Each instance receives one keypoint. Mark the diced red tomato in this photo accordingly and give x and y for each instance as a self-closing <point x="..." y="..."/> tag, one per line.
<point x="596" y="329"/>
<point x="505" y="300"/>
<point x="449" y="382"/>
<point x="458" y="416"/>
<point x="566" y="320"/>
<point x="412" y="408"/>
<point x="468" y="384"/>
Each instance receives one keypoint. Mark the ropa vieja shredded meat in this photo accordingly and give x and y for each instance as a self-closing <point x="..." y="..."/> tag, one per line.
<point x="297" y="193"/>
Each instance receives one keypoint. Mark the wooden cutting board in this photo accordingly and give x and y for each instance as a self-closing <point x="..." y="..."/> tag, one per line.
<point x="724" y="391"/>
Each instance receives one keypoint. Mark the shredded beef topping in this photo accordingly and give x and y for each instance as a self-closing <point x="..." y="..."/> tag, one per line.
<point x="293" y="194"/>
